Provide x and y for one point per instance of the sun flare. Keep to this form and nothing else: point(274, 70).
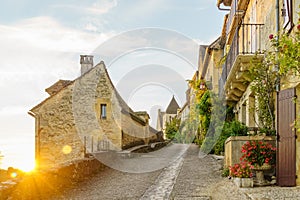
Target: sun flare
point(27, 167)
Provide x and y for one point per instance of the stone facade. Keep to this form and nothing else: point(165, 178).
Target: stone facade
point(208, 66)
point(248, 26)
point(86, 115)
point(164, 117)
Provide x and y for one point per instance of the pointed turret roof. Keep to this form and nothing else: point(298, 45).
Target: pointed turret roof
point(172, 107)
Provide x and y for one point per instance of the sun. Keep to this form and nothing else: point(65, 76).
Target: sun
point(25, 164)
point(27, 167)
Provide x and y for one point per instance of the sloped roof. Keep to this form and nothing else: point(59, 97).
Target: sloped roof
point(56, 87)
point(173, 107)
point(123, 104)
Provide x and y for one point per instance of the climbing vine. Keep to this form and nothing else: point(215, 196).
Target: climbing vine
point(201, 110)
point(281, 59)
point(264, 80)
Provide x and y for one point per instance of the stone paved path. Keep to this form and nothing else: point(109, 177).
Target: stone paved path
point(164, 184)
point(199, 177)
point(114, 184)
point(190, 177)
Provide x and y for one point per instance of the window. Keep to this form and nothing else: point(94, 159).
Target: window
point(287, 13)
point(103, 111)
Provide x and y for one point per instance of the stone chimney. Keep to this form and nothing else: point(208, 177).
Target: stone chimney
point(86, 62)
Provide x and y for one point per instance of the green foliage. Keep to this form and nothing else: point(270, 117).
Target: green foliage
point(288, 52)
point(234, 128)
point(200, 112)
point(264, 80)
point(204, 108)
point(195, 85)
point(269, 132)
point(225, 172)
point(172, 128)
point(282, 59)
point(217, 119)
point(212, 113)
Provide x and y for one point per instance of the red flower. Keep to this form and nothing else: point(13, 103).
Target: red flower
point(258, 152)
point(298, 27)
point(241, 170)
point(271, 36)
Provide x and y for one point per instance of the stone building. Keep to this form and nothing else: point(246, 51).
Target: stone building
point(166, 116)
point(208, 66)
point(86, 115)
point(246, 31)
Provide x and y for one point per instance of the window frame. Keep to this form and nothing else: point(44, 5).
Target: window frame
point(103, 111)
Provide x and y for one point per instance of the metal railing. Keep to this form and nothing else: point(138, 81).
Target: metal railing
point(247, 40)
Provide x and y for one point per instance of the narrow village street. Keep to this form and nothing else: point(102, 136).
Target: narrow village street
point(189, 177)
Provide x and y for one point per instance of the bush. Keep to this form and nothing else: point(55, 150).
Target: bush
point(225, 172)
point(172, 128)
point(234, 128)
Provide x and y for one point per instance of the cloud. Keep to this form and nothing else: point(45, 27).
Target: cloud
point(46, 33)
point(91, 27)
point(99, 7)
point(36, 53)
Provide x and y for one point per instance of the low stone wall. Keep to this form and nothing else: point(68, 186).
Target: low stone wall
point(233, 147)
point(129, 141)
point(151, 147)
point(44, 184)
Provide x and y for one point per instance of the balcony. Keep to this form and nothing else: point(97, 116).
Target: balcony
point(246, 46)
point(236, 14)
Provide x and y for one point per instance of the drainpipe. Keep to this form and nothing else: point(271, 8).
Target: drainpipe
point(277, 90)
point(277, 16)
point(223, 9)
point(277, 32)
point(37, 138)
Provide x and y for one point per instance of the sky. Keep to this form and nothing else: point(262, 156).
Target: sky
point(150, 48)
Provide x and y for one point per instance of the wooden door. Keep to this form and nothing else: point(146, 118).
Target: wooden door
point(286, 146)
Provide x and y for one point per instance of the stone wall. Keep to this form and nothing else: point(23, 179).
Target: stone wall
point(90, 91)
point(130, 141)
point(69, 123)
point(262, 12)
point(57, 138)
point(233, 147)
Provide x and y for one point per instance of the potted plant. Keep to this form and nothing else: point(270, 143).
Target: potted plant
point(261, 155)
point(242, 175)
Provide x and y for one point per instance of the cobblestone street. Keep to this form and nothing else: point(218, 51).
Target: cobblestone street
point(189, 177)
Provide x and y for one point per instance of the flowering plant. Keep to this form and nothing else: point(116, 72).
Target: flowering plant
point(258, 152)
point(241, 170)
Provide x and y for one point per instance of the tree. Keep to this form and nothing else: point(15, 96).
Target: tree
point(172, 128)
